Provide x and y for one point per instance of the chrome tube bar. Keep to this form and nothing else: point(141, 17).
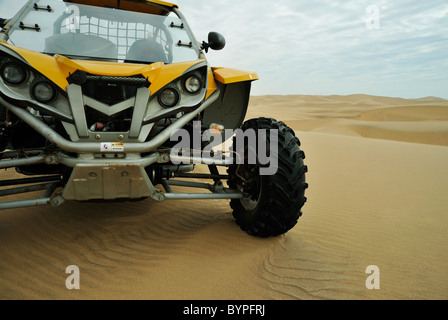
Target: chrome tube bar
point(217, 193)
point(21, 162)
point(95, 147)
point(202, 196)
point(44, 200)
point(24, 203)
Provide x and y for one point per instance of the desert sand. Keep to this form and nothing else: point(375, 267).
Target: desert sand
point(378, 176)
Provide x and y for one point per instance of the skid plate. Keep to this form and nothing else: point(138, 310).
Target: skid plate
point(92, 182)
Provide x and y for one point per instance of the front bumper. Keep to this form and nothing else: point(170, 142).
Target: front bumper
point(96, 147)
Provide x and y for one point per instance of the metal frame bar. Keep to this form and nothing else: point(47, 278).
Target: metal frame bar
point(16, 154)
point(90, 159)
point(218, 192)
point(45, 199)
point(24, 203)
point(13, 20)
point(76, 101)
point(32, 188)
point(202, 196)
point(200, 176)
point(189, 184)
point(4, 164)
point(95, 147)
point(198, 160)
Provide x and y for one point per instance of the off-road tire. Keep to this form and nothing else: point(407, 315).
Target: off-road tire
point(280, 196)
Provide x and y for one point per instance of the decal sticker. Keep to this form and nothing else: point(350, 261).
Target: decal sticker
point(112, 147)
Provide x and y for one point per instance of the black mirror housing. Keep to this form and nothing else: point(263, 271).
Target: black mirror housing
point(216, 41)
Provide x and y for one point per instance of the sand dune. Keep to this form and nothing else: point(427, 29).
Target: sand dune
point(418, 120)
point(378, 171)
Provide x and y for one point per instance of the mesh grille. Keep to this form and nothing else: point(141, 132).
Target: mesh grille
point(110, 91)
point(121, 34)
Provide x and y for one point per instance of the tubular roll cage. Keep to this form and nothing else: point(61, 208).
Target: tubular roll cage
point(86, 151)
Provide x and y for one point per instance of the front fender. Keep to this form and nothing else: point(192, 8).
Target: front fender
point(230, 108)
point(229, 75)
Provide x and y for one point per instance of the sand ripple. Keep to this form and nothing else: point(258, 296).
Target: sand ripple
point(377, 176)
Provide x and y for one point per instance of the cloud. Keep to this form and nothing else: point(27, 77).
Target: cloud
point(324, 46)
point(9, 8)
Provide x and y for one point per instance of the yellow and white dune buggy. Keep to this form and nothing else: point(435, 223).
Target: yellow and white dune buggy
point(114, 100)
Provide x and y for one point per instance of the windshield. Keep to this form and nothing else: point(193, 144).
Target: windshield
point(94, 33)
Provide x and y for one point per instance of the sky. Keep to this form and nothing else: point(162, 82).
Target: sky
point(390, 48)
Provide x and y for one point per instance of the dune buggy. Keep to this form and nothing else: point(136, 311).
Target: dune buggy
point(114, 100)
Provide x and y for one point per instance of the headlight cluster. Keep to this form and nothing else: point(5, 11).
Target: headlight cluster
point(192, 84)
point(13, 73)
point(43, 91)
point(168, 97)
point(16, 74)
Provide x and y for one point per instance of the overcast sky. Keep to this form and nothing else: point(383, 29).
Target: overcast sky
point(393, 48)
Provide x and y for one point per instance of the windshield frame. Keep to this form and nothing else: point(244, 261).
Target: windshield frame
point(186, 49)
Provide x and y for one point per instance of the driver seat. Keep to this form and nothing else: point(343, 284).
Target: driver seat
point(146, 50)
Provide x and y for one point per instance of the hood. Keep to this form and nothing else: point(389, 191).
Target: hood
point(58, 68)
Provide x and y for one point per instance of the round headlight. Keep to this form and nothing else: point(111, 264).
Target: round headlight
point(13, 73)
point(43, 91)
point(193, 84)
point(168, 97)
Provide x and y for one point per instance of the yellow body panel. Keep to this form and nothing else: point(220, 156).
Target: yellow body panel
point(170, 72)
point(112, 69)
point(45, 64)
point(57, 68)
point(229, 75)
point(211, 87)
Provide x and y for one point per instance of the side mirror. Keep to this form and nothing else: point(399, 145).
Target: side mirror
point(216, 41)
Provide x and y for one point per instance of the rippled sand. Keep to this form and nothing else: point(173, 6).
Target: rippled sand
point(378, 171)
